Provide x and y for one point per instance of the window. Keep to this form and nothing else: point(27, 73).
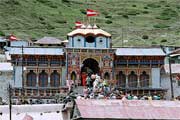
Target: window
point(122, 79)
point(43, 79)
point(90, 39)
point(132, 79)
point(144, 79)
point(31, 79)
point(55, 79)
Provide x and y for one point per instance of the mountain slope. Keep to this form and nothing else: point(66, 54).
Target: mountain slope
point(131, 22)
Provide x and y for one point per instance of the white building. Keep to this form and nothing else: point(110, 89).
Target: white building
point(6, 77)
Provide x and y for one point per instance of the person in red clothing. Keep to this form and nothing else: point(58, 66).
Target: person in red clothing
point(83, 78)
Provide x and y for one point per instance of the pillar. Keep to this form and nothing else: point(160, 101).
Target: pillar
point(37, 80)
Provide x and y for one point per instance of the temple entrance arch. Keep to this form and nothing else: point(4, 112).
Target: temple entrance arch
point(89, 66)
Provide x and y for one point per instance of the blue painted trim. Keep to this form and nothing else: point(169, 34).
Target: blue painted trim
point(95, 43)
point(84, 42)
point(72, 41)
point(106, 42)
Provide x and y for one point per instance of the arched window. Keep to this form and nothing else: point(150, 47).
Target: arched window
point(122, 79)
point(132, 79)
point(55, 79)
point(73, 76)
point(43, 79)
point(144, 79)
point(31, 79)
point(106, 76)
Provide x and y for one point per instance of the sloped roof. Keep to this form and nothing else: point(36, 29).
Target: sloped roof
point(139, 52)
point(6, 67)
point(37, 51)
point(175, 68)
point(128, 109)
point(85, 31)
point(48, 40)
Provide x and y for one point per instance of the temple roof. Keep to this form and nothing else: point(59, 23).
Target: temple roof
point(48, 40)
point(139, 52)
point(89, 30)
point(37, 51)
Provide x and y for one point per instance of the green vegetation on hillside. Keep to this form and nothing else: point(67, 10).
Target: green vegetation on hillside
point(131, 22)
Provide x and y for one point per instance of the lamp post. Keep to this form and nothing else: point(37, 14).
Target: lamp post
point(170, 75)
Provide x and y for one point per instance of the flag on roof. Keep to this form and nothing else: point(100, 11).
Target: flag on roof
point(27, 117)
point(12, 37)
point(78, 24)
point(90, 12)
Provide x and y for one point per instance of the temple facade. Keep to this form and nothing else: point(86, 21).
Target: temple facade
point(42, 70)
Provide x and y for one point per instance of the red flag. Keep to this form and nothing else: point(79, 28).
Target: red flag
point(12, 37)
point(78, 24)
point(91, 12)
point(27, 117)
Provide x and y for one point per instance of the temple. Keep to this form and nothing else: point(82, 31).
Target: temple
point(44, 68)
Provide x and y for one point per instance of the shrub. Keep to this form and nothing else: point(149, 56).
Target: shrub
point(153, 43)
point(169, 12)
point(161, 25)
point(132, 12)
point(108, 22)
point(83, 11)
point(164, 40)
point(65, 1)
point(61, 21)
point(108, 16)
point(41, 18)
point(133, 5)
point(145, 37)
point(145, 7)
point(153, 5)
point(163, 17)
point(125, 16)
point(145, 12)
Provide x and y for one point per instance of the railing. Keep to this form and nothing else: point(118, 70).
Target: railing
point(38, 92)
point(39, 63)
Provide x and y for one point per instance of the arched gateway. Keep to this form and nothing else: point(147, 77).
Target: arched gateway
point(89, 66)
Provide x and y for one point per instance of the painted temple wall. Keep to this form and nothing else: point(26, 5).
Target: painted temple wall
point(101, 42)
point(78, 41)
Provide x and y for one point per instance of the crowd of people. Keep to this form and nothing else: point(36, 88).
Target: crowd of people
point(97, 88)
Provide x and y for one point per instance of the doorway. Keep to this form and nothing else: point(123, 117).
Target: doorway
point(90, 66)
